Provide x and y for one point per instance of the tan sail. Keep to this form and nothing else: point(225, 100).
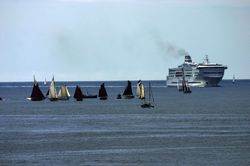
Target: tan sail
point(142, 91)
point(138, 90)
point(63, 93)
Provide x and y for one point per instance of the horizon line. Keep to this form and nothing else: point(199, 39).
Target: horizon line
point(107, 80)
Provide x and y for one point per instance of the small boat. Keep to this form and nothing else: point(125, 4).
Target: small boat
point(78, 94)
point(148, 103)
point(140, 90)
point(52, 96)
point(36, 94)
point(119, 96)
point(1, 98)
point(103, 93)
point(63, 93)
point(128, 94)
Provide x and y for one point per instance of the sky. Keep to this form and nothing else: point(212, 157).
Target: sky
point(92, 40)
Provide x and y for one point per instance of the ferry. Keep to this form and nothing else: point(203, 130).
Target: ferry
point(196, 74)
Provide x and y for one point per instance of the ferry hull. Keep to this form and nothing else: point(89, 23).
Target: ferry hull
point(191, 83)
point(207, 82)
point(212, 81)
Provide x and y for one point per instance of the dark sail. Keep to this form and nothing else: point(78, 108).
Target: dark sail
point(128, 91)
point(47, 94)
point(102, 92)
point(78, 93)
point(36, 93)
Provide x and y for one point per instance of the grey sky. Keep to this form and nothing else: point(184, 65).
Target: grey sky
point(119, 40)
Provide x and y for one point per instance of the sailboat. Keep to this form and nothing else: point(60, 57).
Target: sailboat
point(63, 93)
point(185, 86)
point(233, 80)
point(102, 92)
point(36, 94)
point(147, 103)
point(52, 91)
point(140, 90)
point(78, 94)
point(128, 94)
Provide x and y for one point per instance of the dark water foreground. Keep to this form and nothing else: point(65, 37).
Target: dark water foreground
point(211, 126)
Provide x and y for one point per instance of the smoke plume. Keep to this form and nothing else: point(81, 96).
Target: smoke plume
point(166, 48)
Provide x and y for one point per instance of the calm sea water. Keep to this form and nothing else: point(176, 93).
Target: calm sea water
point(210, 126)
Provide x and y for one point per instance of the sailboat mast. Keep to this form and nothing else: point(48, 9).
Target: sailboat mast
point(149, 91)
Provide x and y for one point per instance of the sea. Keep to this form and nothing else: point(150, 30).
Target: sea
point(209, 127)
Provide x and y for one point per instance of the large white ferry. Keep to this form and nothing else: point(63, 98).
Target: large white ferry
point(196, 74)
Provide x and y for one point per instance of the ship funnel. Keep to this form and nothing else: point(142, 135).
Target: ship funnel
point(188, 59)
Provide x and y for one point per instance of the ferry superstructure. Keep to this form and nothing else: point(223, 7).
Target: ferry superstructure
point(196, 74)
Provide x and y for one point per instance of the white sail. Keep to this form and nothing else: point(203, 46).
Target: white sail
point(67, 92)
point(59, 93)
point(52, 90)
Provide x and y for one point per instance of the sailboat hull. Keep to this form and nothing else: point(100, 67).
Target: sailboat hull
point(128, 96)
point(89, 96)
point(35, 99)
point(63, 98)
point(187, 91)
point(53, 99)
point(147, 105)
point(78, 99)
point(104, 98)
